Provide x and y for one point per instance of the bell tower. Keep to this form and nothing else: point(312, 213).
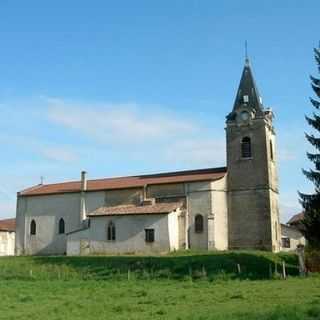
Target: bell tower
point(253, 211)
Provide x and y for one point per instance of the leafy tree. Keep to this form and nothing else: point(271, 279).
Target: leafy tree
point(311, 202)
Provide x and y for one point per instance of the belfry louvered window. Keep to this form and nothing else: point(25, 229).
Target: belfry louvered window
point(246, 148)
point(111, 231)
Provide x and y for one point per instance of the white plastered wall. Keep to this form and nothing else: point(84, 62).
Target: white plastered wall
point(130, 235)
point(7, 243)
point(220, 213)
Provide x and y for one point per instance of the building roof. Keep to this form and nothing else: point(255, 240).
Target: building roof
point(297, 218)
point(157, 208)
point(8, 225)
point(249, 88)
point(210, 174)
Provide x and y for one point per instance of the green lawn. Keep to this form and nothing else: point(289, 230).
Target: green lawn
point(179, 286)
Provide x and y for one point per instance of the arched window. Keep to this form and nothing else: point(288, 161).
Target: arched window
point(271, 150)
point(198, 223)
point(61, 226)
point(33, 227)
point(246, 148)
point(111, 231)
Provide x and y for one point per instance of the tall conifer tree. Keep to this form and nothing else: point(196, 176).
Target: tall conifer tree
point(311, 202)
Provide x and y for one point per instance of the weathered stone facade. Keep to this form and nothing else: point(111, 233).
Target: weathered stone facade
point(252, 175)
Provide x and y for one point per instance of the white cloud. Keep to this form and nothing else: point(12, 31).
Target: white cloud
point(194, 151)
point(58, 153)
point(119, 123)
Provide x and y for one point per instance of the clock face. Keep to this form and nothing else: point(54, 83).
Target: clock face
point(244, 115)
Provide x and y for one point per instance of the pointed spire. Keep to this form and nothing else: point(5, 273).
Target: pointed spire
point(248, 93)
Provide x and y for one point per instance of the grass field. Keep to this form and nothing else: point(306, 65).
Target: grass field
point(178, 286)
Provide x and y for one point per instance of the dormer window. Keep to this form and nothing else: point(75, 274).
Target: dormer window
point(245, 98)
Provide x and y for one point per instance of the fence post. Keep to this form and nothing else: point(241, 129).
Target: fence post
point(284, 274)
point(239, 268)
point(302, 266)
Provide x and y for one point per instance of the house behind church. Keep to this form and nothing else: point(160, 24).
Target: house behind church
point(291, 233)
point(7, 237)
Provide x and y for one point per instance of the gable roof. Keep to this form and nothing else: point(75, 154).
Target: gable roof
point(8, 225)
point(131, 209)
point(210, 174)
point(296, 218)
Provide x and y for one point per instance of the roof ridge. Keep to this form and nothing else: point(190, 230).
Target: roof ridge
point(128, 181)
point(190, 171)
point(32, 188)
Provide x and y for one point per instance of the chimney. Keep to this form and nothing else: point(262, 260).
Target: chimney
point(83, 213)
point(83, 181)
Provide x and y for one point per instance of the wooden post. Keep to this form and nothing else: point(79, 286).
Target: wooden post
point(239, 268)
point(128, 274)
point(284, 274)
point(204, 272)
point(302, 266)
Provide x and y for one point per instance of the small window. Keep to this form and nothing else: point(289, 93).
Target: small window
point(271, 150)
point(33, 227)
point(149, 235)
point(245, 98)
point(111, 231)
point(246, 148)
point(61, 226)
point(198, 223)
point(285, 242)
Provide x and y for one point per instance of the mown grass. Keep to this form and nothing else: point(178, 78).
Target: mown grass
point(159, 287)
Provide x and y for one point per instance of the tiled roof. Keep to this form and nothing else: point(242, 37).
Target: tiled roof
point(157, 208)
point(296, 218)
point(8, 225)
point(128, 182)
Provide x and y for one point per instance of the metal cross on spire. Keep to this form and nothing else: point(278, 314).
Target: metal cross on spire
point(246, 52)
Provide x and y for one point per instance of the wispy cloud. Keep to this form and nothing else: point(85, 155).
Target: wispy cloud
point(57, 153)
point(119, 123)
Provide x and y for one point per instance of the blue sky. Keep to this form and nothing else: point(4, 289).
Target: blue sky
point(130, 87)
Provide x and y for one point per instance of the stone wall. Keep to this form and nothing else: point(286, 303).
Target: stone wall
point(252, 187)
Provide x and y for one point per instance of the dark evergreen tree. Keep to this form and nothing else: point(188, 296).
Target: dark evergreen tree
point(311, 202)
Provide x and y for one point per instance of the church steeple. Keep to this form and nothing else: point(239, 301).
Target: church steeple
point(252, 178)
point(248, 94)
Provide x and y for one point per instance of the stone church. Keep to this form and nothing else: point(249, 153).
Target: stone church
point(232, 207)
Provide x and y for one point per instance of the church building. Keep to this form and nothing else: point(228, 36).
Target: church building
point(232, 207)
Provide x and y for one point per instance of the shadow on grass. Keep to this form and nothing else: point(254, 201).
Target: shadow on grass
point(253, 265)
